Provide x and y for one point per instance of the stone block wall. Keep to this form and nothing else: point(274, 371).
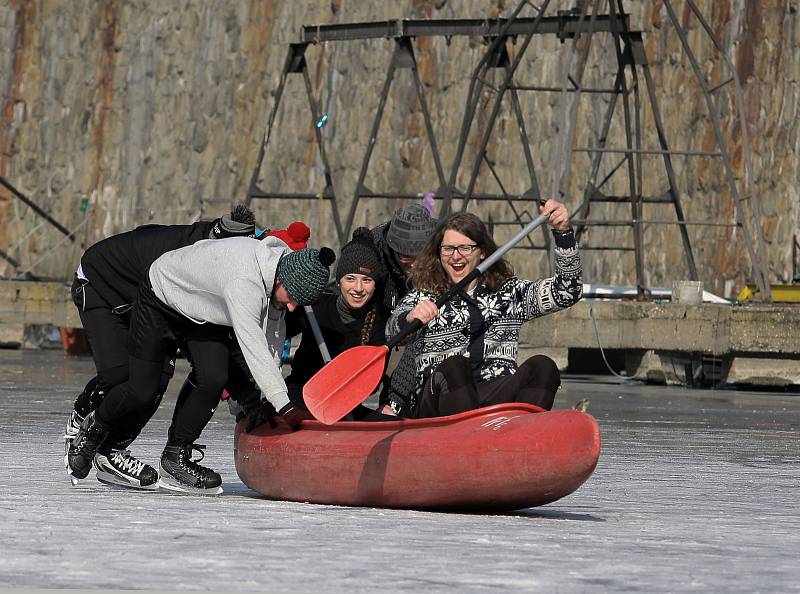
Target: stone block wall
point(114, 114)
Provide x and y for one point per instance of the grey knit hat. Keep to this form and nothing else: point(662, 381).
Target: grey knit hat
point(410, 228)
point(305, 273)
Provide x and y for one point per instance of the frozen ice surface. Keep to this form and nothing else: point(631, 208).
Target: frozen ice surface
point(695, 491)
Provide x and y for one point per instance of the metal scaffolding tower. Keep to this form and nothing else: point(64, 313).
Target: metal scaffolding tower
point(631, 89)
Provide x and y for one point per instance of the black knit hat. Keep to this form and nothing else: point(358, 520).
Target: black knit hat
point(360, 256)
point(410, 228)
point(305, 273)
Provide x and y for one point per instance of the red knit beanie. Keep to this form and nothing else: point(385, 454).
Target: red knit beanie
point(295, 235)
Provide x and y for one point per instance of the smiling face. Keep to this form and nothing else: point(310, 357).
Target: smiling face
point(458, 265)
point(357, 289)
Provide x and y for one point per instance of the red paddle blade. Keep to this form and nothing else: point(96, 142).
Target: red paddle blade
point(345, 382)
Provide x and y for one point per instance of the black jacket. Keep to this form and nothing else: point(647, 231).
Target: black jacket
point(117, 265)
point(338, 338)
point(396, 285)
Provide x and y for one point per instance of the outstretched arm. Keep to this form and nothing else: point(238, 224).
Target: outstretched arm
point(560, 291)
point(248, 315)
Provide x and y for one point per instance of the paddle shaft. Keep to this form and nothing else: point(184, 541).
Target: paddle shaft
point(482, 267)
point(312, 320)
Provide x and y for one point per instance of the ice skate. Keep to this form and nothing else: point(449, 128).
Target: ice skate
point(70, 431)
point(81, 451)
point(180, 473)
point(119, 467)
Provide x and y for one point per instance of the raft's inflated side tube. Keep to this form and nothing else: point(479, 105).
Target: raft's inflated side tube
point(503, 457)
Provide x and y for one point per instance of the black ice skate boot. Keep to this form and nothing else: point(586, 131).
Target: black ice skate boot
point(116, 466)
point(84, 446)
point(180, 473)
point(74, 423)
point(87, 401)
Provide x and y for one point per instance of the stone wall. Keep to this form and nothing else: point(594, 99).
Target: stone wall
point(120, 113)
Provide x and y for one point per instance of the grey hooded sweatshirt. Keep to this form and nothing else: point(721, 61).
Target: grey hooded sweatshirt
point(230, 283)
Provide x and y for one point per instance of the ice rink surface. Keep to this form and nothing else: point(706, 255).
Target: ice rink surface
point(695, 491)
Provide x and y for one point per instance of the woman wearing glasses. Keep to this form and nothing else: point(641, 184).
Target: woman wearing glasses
point(466, 353)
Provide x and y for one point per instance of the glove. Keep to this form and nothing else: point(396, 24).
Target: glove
point(293, 416)
point(254, 410)
point(263, 414)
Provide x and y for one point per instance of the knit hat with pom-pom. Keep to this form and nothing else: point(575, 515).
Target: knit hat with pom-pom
point(295, 235)
point(305, 273)
point(241, 222)
point(360, 256)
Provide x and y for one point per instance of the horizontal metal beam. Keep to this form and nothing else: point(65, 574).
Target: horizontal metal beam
point(569, 89)
point(584, 248)
point(663, 199)
point(685, 153)
point(564, 26)
point(261, 194)
point(620, 223)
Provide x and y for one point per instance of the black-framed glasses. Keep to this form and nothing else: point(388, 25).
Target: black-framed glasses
point(464, 250)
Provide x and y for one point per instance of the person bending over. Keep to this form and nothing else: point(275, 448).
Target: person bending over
point(245, 284)
point(104, 290)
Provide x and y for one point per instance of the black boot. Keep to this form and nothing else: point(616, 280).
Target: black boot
point(72, 428)
point(180, 473)
point(90, 437)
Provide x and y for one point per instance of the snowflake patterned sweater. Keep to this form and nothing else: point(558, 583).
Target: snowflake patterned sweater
point(485, 326)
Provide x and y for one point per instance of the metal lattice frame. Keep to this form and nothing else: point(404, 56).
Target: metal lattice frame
point(20, 269)
point(578, 24)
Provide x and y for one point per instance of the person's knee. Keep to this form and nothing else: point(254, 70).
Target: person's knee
point(143, 386)
point(542, 371)
point(452, 373)
point(212, 378)
point(455, 366)
point(112, 376)
point(142, 395)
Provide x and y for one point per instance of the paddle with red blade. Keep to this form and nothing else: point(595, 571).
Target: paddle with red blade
point(352, 376)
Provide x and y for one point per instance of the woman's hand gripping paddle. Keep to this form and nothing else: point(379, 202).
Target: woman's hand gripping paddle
point(352, 376)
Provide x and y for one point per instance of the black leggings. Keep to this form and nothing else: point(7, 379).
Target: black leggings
point(209, 354)
point(451, 388)
point(107, 333)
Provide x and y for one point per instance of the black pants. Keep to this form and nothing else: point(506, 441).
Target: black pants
point(451, 388)
point(107, 333)
point(153, 339)
point(208, 350)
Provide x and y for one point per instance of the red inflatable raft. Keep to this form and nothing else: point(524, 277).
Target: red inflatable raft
point(504, 457)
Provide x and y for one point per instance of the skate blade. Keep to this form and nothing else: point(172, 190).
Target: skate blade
point(72, 479)
point(185, 489)
point(113, 480)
